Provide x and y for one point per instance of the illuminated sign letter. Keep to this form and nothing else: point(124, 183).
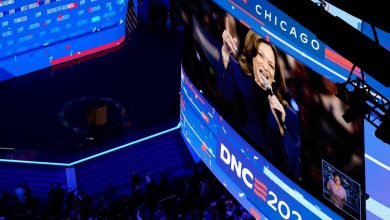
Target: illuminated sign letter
point(285, 25)
point(225, 151)
point(293, 31)
point(258, 9)
point(245, 173)
point(235, 166)
point(268, 15)
point(303, 37)
point(315, 44)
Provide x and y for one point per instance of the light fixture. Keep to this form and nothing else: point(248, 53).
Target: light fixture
point(365, 102)
point(358, 107)
point(383, 131)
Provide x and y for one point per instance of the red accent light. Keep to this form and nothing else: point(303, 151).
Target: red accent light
point(341, 61)
point(72, 5)
point(205, 117)
point(261, 190)
point(261, 196)
point(249, 14)
point(87, 52)
point(182, 101)
point(204, 148)
point(195, 93)
point(258, 182)
point(255, 214)
point(245, 24)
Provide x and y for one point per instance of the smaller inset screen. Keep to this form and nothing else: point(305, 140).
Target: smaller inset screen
point(341, 190)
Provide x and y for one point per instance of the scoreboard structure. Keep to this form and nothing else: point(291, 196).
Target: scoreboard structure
point(39, 34)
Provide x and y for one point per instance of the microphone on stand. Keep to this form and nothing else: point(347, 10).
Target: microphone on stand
point(268, 88)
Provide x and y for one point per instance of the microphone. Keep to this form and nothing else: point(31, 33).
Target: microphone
point(268, 88)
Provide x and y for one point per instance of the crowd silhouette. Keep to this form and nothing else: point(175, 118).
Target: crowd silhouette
point(196, 195)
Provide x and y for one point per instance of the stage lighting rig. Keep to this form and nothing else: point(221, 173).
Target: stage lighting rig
point(349, 42)
point(365, 102)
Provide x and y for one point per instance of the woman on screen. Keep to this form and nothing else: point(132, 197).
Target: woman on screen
point(259, 110)
point(337, 192)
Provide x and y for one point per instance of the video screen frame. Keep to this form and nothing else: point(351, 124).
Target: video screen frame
point(351, 189)
point(204, 91)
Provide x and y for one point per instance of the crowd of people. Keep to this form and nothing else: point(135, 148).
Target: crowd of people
point(197, 195)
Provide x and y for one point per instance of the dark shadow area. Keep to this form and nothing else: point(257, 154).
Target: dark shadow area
point(84, 108)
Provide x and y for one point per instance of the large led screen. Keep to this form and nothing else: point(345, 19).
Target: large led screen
point(268, 109)
point(377, 175)
point(38, 34)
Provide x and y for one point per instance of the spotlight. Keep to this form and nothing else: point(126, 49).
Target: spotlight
point(365, 102)
point(383, 131)
point(353, 114)
point(356, 111)
point(356, 100)
point(342, 91)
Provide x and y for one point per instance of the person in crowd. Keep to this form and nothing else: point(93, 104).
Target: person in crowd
point(20, 193)
point(135, 182)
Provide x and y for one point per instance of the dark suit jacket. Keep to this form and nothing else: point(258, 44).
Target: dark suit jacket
point(247, 108)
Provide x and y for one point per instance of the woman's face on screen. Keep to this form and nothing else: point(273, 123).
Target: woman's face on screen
point(337, 180)
point(264, 65)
